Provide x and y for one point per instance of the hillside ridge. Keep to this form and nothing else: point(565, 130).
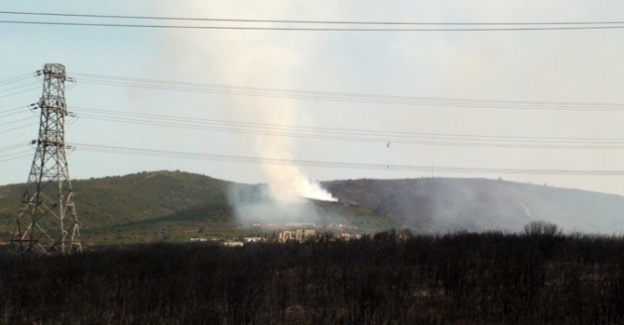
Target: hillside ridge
point(170, 205)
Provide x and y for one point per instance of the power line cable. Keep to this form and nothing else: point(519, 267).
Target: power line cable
point(346, 97)
point(13, 122)
point(331, 164)
point(20, 92)
point(15, 157)
point(354, 135)
point(12, 147)
point(320, 29)
point(17, 87)
point(24, 149)
point(338, 22)
point(15, 79)
point(19, 127)
point(323, 129)
point(11, 111)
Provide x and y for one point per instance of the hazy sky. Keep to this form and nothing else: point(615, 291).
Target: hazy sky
point(572, 66)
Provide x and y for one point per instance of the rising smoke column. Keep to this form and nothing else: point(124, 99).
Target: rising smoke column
point(285, 183)
point(274, 65)
point(267, 62)
point(253, 59)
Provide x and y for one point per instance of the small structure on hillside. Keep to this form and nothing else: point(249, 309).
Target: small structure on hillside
point(285, 236)
point(302, 234)
point(299, 234)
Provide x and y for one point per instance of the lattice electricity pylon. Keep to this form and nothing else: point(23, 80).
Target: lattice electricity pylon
point(47, 221)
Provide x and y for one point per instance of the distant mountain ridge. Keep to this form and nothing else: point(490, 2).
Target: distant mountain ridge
point(174, 205)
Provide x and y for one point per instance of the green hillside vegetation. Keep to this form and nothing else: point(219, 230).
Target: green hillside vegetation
point(174, 206)
point(109, 206)
point(10, 196)
point(167, 206)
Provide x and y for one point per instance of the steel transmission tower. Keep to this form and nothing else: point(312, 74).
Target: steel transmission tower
point(47, 221)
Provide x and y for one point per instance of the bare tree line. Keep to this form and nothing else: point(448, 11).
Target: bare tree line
point(393, 277)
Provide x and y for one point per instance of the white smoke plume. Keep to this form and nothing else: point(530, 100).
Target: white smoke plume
point(285, 183)
point(252, 59)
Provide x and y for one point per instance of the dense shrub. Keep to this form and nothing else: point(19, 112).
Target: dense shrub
point(390, 278)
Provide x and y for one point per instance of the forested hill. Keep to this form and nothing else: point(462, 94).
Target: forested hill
point(111, 203)
point(169, 206)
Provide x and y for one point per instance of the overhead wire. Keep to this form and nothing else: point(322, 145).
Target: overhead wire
point(333, 164)
point(12, 80)
point(305, 21)
point(11, 147)
point(13, 111)
point(18, 87)
point(148, 118)
point(518, 28)
point(8, 153)
point(20, 92)
point(351, 135)
point(19, 127)
point(366, 98)
point(17, 156)
point(15, 79)
point(314, 163)
point(15, 121)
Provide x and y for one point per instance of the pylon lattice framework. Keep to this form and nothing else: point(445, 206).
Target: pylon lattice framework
point(47, 221)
